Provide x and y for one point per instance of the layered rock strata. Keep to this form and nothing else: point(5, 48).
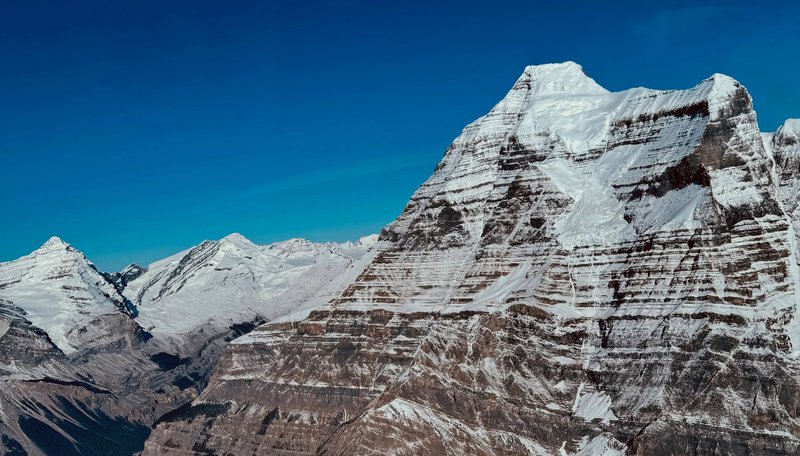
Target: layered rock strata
point(585, 273)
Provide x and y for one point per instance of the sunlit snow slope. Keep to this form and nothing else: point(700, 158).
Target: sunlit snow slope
point(233, 279)
point(63, 294)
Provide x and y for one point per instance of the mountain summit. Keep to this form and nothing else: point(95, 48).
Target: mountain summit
point(567, 78)
point(62, 293)
point(585, 273)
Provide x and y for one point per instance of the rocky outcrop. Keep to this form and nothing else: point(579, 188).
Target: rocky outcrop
point(585, 272)
point(122, 278)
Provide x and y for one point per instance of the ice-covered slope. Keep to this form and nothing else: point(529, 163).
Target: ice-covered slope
point(585, 273)
point(234, 280)
point(63, 294)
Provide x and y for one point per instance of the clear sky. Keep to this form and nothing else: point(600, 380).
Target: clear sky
point(137, 128)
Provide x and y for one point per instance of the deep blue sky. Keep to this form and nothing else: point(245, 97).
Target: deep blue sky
point(134, 129)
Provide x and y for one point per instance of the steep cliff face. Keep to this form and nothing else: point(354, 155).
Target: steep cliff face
point(585, 272)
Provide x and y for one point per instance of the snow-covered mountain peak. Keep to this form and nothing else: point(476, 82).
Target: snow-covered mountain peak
point(55, 247)
point(630, 247)
point(237, 239)
point(558, 78)
point(235, 244)
point(53, 255)
point(233, 280)
point(790, 130)
point(784, 147)
point(723, 83)
point(122, 278)
point(132, 268)
point(367, 241)
point(628, 164)
point(62, 293)
point(724, 93)
point(54, 243)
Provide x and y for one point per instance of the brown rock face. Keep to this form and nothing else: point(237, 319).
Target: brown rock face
point(585, 273)
point(97, 401)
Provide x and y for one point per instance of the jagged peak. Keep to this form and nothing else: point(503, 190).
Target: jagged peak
point(720, 90)
point(541, 88)
point(722, 78)
point(132, 267)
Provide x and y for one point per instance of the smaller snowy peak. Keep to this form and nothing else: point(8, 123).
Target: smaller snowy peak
point(785, 145)
point(367, 241)
point(128, 274)
point(237, 239)
point(789, 132)
point(53, 252)
point(299, 246)
point(234, 280)
point(723, 82)
point(54, 243)
point(63, 293)
point(235, 244)
point(363, 243)
point(132, 269)
point(556, 78)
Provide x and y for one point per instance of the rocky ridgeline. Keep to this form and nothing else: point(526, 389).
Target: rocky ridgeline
point(585, 273)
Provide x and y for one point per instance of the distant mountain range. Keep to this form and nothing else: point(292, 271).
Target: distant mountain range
point(83, 351)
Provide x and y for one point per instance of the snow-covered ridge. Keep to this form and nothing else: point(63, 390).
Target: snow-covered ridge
point(216, 283)
point(232, 280)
